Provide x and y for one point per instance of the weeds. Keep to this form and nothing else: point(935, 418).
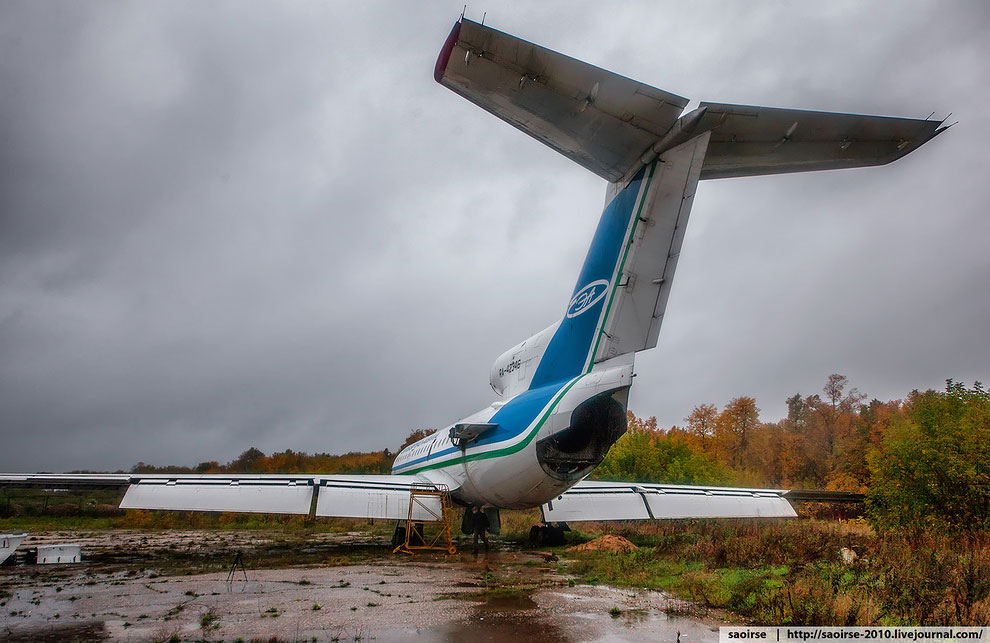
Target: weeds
point(791, 573)
point(209, 620)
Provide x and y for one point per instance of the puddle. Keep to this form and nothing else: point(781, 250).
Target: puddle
point(507, 603)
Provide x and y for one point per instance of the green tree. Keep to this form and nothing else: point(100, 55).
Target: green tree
point(247, 462)
point(933, 467)
point(644, 454)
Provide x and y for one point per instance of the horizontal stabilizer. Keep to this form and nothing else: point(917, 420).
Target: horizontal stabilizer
point(613, 125)
point(597, 118)
point(631, 501)
point(749, 141)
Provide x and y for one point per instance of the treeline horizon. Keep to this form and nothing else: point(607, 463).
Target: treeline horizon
point(922, 461)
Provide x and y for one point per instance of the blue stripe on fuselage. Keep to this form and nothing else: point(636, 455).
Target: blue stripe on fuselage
point(567, 351)
point(513, 418)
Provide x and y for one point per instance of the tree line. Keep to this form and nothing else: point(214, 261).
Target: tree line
point(924, 461)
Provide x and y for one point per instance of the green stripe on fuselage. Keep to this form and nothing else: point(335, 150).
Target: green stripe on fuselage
point(507, 450)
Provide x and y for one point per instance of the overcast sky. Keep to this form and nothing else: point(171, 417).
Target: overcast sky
point(226, 225)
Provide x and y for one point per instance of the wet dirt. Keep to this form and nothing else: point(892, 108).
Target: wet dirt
point(121, 592)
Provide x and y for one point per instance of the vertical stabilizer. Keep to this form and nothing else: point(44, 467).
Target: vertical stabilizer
point(618, 302)
point(569, 352)
point(632, 318)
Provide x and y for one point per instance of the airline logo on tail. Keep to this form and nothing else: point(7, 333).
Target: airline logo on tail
point(587, 297)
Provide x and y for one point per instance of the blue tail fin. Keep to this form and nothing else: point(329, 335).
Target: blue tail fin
point(570, 351)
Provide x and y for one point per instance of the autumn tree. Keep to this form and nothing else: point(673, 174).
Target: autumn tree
point(211, 466)
point(775, 455)
point(636, 424)
point(415, 436)
point(835, 410)
point(851, 470)
point(735, 426)
point(701, 424)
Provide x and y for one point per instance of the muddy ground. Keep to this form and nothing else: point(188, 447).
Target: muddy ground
point(141, 586)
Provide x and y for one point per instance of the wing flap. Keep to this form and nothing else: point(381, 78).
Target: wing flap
point(631, 501)
point(277, 495)
point(599, 119)
point(342, 496)
point(386, 497)
point(748, 140)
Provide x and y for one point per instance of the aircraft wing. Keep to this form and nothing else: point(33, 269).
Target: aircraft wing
point(749, 141)
point(591, 500)
point(599, 119)
point(343, 496)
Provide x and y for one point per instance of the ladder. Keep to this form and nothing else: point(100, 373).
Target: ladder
point(415, 540)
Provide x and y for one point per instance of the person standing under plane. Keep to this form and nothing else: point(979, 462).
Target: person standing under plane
point(479, 526)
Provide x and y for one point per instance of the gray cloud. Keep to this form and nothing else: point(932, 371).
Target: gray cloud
point(224, 226)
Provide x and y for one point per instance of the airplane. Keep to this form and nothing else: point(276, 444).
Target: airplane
point(563, 392)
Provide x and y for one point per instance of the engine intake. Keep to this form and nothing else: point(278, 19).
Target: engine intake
point(595, 425)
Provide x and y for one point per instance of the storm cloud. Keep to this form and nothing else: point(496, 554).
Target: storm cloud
point(226, 225)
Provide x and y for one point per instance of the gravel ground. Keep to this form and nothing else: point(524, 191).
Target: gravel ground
point(117, 594)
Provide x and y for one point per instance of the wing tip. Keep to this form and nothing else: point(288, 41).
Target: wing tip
point(448, 47)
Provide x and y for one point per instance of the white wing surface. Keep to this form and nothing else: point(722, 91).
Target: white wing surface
point(590, 500)
point(351, 496)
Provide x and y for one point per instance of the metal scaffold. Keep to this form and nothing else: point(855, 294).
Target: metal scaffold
point(428, 504)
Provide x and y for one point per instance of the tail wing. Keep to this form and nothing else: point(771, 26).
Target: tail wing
point(750, 141)
point(632, 135)
point(598, 119)
point(613, 125)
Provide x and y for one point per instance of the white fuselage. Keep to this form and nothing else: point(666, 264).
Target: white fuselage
point(503, 468)
point(565, 388)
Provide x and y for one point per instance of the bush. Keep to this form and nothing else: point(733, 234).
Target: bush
point(931, 470)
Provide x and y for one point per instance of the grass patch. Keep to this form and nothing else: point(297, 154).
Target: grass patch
point(209, 620)
point(780, 573)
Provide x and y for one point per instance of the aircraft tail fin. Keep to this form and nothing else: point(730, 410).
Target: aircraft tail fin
point(634, 136)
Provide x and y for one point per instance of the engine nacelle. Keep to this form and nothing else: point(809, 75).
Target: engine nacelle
point(514, 369)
